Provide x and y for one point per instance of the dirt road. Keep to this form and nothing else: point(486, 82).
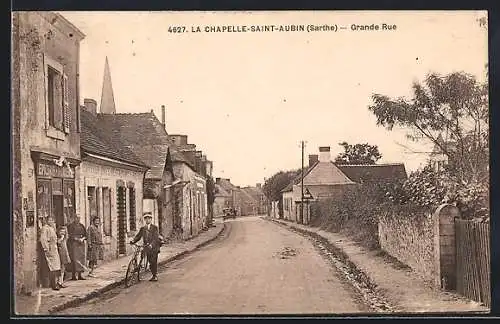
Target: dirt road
point(256, 267)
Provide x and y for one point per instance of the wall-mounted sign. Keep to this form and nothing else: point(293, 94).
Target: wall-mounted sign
point(52, 170)
point(30, 218)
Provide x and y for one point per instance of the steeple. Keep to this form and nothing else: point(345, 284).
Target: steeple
point(107, 97)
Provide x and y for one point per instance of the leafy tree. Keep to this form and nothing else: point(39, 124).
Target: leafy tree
point(452, 113)
point(452, 107)
point(273, 186)
point(358, 154)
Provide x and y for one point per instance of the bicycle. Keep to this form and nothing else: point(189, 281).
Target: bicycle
point(138, 262)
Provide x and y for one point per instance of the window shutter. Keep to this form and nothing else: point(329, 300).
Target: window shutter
point(66, 111)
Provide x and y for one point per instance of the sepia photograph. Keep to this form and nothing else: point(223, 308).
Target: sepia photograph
point(315, 163)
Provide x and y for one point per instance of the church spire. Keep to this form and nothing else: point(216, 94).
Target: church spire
point(107, 97)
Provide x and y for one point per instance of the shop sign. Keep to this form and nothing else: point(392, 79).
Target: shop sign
point(52, 170)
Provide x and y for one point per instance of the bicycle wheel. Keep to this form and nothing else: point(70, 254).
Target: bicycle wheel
point(130, 275)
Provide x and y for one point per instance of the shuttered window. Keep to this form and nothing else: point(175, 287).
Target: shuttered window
point(57, 96)
point(65, 105)
point(132, 214)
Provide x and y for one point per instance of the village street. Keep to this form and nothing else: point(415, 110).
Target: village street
point(255, 267)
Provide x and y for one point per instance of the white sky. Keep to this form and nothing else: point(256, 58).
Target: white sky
point(247, 99)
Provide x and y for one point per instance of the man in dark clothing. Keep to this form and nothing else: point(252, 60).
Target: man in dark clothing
point(151, 240)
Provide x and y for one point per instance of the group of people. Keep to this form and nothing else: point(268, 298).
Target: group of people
point(64, 249)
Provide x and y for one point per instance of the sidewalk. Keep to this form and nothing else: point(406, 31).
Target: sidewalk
point(403, 288)
point(107, 276)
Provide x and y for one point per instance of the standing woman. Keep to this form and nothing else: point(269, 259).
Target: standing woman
point(76, 239)
point(62, 246)
point(95, 244)
point(48, 240)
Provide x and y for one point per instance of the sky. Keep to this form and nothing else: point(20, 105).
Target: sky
point(248, 99)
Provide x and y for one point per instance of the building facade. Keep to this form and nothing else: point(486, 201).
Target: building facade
point(191, 199)
point(46, 133)
point(110, 184)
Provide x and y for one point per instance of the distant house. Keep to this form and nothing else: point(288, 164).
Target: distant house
point(222, 199)
point(233, 198)
point(324, 179)
point(253, 201)
point(110, 183)
point(438, 159)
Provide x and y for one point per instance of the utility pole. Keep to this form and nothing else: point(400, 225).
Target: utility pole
point(302, 186)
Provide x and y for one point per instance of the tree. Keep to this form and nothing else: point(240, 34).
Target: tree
point(358, 154)
point(273, 186)
point(453, 107)
point(211, 191)
point(450, 112)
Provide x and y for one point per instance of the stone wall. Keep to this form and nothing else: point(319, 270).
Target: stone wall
point(411, 241)
point(38, 37)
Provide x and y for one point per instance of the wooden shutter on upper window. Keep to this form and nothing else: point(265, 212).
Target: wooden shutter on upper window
point(66, 111)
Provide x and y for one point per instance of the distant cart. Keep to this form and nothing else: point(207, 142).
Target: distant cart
point(229, 213)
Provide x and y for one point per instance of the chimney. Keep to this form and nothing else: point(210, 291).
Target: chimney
point(90, 105)
point(313, 158)
point(163, 116)
point(217, 180)
point(324, 154)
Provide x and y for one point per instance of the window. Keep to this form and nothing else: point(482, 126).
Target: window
point(106, 211)
point(57, 96)
point(131, 197)
point(93, 202)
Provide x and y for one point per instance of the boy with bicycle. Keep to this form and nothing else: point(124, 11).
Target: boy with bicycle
point(151, 240)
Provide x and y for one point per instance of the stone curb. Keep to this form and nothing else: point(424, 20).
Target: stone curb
point(79, 300)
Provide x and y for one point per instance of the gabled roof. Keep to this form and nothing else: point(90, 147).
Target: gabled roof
point(247, 195)
point(325, 173)
point(144, 134)
point(221, 192)
point(374, 172)
point(97, 139)
point(298, 178)
point(227, 185)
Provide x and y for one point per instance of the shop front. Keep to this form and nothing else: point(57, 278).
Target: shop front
point(55, 196)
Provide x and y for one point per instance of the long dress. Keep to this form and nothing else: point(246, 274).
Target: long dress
point(62, 244)
point(48, 239)
point(76, 247)
point(95, 242)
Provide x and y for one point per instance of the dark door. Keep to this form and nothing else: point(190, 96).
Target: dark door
point(57, 202)
point(161, 210)
point(122, 219)
point(191, 212)
point(57, 210)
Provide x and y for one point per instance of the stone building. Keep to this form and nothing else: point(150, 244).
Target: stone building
point(173, 190)
point(324, 179)
point(194, 195)
point(111, 183)
point(222, 199)
point(46, 133)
